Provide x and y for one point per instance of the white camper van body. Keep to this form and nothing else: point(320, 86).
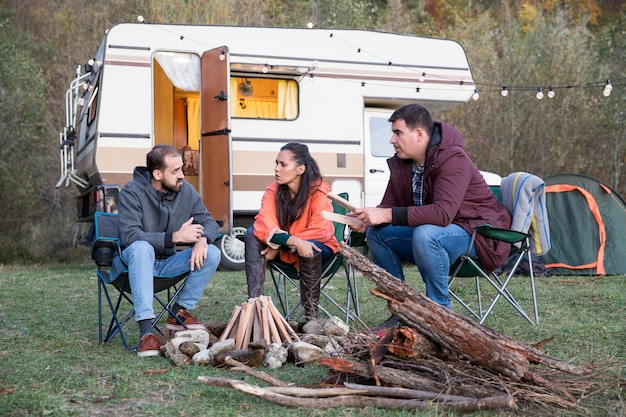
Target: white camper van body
point(204, 89)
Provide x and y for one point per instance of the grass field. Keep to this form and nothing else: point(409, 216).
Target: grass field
point(52, 364)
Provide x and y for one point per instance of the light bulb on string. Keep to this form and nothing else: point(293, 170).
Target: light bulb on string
point(417, 92)
point(607, 89)
point(222, 55)
point(362, 85)
point(476, 96)
point(551, 93)
point(505, 91)
point(422, 77)
point(311, 78)
point(140, 19)
point(539, 93)
point(265, 69)
point(182, 38)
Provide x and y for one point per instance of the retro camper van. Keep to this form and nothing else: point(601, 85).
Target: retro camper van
point(229, 97)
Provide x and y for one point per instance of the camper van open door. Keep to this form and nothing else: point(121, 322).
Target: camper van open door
point(215, 143)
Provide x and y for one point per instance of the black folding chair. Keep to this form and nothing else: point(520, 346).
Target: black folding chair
point(105, 251)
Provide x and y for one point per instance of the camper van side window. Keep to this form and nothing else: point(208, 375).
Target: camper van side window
point(380, 132)
point(264, 98)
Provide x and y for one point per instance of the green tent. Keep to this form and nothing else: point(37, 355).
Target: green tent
point(587, 227)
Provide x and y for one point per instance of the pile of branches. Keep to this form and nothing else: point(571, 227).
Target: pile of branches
point(437, 357)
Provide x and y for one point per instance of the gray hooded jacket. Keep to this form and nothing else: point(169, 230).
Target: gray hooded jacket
point(146, 213)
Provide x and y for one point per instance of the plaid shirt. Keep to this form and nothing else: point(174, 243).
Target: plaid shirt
point(418, 177)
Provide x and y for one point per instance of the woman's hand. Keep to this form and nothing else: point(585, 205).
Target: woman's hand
point(270, 253)
point(304, 248)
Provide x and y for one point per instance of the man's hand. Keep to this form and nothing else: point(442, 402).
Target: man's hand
point(188, 232)
point(372, 216)
point(198, 254)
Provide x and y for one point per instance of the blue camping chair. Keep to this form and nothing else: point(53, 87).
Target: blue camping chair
point(105, 252)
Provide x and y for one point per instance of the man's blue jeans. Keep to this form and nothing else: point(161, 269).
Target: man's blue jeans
point(431, 248)
point(143, 266)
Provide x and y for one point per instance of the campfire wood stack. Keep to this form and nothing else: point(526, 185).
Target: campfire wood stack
point(257, 320)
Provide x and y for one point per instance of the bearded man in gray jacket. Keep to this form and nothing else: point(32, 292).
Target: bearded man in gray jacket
point(158, 210)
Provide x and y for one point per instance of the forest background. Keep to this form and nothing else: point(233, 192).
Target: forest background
point(574, 46)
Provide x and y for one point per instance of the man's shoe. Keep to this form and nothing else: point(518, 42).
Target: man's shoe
point(148, 346)
point(185, 321)
point(390, 322)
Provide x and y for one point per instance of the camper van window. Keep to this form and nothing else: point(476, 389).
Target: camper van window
point(380, 133)
point(264, 98)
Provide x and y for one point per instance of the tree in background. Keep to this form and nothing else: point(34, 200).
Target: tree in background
point(517, 43)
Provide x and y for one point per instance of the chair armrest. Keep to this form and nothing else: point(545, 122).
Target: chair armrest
point(104, 250)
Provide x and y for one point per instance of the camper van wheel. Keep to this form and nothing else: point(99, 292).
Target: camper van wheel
point(232, 250)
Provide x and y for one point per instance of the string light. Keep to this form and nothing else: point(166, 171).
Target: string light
point(362, 85)
point(140, 19)
point(311, 78)
point(417, 92)
point(539, 93)
point(607, 89)
point(503, 89)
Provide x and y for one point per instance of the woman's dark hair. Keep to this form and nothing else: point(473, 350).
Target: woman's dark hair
point(155, 159)
point(288, 210)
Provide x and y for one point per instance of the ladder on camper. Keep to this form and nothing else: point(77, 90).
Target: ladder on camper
point(67, 138)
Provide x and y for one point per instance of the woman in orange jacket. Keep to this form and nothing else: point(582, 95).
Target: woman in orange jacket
point(290, 226)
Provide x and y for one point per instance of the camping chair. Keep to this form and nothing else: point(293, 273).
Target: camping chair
point(285, 278)
point(530, 220)
point(105, 252)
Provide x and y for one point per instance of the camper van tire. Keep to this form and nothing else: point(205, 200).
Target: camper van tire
point(232, 248)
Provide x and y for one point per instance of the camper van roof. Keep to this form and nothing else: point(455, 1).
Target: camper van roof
point(369, 56)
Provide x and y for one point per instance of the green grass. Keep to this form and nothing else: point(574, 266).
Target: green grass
point(52, 364)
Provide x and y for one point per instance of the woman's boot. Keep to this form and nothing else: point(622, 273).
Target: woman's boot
point(310, 278)
point(255, 265)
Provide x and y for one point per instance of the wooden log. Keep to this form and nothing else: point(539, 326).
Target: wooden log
point(358, 400)
point(265, 320)
point(450, 330)
point(249, 324)
point(388, 376)
point(231, 323)
point(411, 344)
point(243, 322)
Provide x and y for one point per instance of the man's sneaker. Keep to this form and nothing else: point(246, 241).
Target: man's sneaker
point(381, 328)
point(188, 321)
point(148, 346)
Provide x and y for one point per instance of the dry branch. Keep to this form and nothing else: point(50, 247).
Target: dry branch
point(358, 400)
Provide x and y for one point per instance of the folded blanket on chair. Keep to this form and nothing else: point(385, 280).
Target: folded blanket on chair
point(525, 197)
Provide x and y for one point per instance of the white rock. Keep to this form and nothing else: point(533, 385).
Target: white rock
point(275, 356)
point(306, 351)
point(334, 326)
point(223, 346)
point(204, 357)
